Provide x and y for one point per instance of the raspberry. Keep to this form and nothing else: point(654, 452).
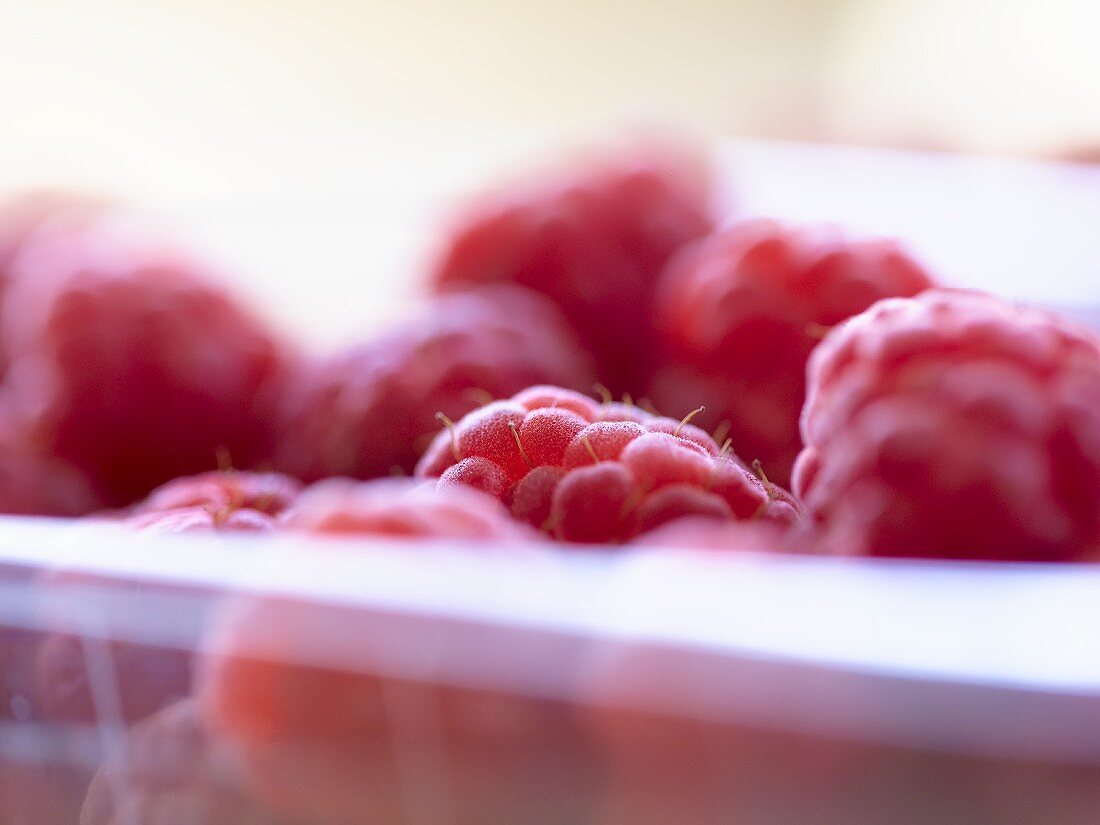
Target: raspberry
point(319, 740)
point(954, 425)
point(323, 709)
point(564, 464)
point(401, 508)
point(594, 239)
point(202, 520)
point(141, 369)
point(372, 409)
point(741, 310)
point(222, 500)
point(171, 771)
point(150, 676)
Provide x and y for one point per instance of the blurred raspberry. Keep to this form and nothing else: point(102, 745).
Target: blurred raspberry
point(582, 474)
point(594, 238)
point(372, 410)
point(740, 312)
point(149, 675)
point(955, 425)
point(308, 696)
point(221, 500)
point(171, 772)
point(202, 520)
point(403, 509)
point(268, 493)
point(139, 370)
point(324, 704)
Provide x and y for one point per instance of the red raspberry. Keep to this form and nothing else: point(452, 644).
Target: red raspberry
point(565, 465)
point(149, 676)
point(404, 509)
point(142, 370)
point(313, 719)
point(202, 520)
point(594, 239)
point(323, 709)
point(373, 409)
point(222, 500)
point(171, 771)
point(955, 425)
point(740, 312)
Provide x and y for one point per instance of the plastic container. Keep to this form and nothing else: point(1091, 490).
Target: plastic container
point(443, 685)
point(532, 686)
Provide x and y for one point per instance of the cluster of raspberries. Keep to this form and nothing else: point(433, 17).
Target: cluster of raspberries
point(909, 420)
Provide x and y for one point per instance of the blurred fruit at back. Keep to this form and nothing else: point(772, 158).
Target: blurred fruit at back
point(135, 365)
point(371, 410)
point(593, 237)
point(741, 310)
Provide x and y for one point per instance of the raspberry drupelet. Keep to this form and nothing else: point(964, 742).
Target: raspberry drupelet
point(139, 367)
point(740, 311)
point(954, 425)
point(593, 237)
point(370, 411)
point(577, 470)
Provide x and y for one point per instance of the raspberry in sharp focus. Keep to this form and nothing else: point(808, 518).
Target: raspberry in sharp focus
point(565, 465)
point(739, 313)
point(142, 369)
point(954, 425)
point(372, 409)
point(593, 238)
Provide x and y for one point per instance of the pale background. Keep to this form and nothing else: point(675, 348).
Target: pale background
point(308, 143)
point(198, 95)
